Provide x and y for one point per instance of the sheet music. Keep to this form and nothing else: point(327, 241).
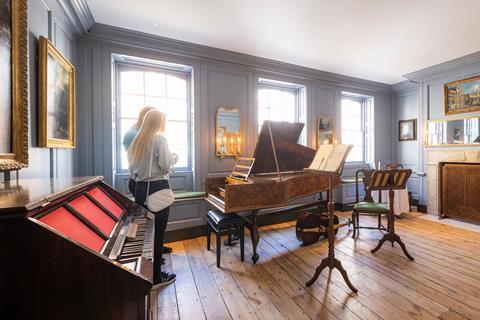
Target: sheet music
point(330, 157)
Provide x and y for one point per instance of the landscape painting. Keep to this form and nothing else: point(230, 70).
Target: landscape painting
point(462, 96)
point(5, 76)
point(57, 99)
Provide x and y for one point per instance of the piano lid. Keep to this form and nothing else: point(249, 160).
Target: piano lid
point(291, 156)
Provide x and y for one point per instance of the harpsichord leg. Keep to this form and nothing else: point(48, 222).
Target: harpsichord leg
point(255, 236)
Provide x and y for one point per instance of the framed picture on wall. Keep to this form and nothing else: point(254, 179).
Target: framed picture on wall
point(407, 130)
point(462, 96)
point(13, 85)
point(324, 130)
point(57, 98)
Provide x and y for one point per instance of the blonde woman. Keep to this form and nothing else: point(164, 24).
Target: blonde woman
point(127, 141)
point(150, 162)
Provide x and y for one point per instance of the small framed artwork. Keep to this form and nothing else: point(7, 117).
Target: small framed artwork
point(324, 130)
point(457, 135)
point(407, 130)
point(57, 98)
point(462, 96)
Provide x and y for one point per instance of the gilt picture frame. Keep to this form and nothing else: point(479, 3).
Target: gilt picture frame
point(462, 96)
point(14, 88)
point(325, 130)
point(57, 98)
point(228, 132)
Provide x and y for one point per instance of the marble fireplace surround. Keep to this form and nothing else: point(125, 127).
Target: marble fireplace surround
point(434, 159)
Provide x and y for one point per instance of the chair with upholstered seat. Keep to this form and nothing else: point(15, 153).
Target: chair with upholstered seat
point(367, 207)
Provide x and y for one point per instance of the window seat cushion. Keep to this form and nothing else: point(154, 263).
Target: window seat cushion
point(181, 195)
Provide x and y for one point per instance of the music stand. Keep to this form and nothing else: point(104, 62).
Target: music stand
point(394, 179)
point(329, 161)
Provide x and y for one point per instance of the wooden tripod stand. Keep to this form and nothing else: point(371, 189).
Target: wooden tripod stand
point(330, 261)
point(394, 180)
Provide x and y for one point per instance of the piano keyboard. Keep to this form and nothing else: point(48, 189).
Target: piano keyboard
point(142, 244)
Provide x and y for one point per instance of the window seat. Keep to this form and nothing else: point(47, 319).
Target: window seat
point(349, 180)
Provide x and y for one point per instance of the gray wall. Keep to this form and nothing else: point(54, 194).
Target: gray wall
point(221, 78)
point(424, 100)
point(406, 106)
point(45, 18)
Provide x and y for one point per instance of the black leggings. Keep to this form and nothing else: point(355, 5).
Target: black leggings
point(161, 220)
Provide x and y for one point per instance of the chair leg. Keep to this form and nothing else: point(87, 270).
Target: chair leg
point(242, 244)
point(354, 225)
point(219, 243)
point(379, 221)
point(208, 236)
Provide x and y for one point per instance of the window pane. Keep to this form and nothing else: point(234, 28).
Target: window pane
point(125, 125)
point(176, 87)
point(182, 152)
point(263, 98)
point(177, 109)
point(155, 84)
point(177, 132)
point(131, 82)
point(156, 102)
point(131, 105)
point(274, 98)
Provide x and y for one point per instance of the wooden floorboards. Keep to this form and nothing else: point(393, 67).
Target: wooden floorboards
point(442, 283)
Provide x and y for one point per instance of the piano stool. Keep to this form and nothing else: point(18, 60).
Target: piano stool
point(221, 223)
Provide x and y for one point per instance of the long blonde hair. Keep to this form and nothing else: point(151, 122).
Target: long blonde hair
point(141, 115)
point(153, 124)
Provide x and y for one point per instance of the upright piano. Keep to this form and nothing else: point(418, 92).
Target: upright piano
point(73, 249)
point(276, 178)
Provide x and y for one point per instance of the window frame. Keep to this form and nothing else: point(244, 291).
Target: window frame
point(298, 90)
point(130, 65)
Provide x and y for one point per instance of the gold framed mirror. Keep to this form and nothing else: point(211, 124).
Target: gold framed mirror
point(325, 130)
point(228, 132)
point(453, 132)
point(14, 79)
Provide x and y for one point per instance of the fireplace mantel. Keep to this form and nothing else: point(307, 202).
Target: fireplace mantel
point(434, 158)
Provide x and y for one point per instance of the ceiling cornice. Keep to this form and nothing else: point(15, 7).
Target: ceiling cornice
point(77, 13)
point(118, 35)
point(433, 71)
point(404, 87)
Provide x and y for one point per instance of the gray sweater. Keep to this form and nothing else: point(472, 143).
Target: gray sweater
point(162, 163)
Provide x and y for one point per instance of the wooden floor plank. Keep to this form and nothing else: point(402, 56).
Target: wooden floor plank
point(212, 301)
point(442, 283)
point(251, 287)
point(166, 297)
point(237, 304)
point(188, 299)
point(279, 297)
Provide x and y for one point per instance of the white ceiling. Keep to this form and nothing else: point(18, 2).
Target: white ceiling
point(372, 39)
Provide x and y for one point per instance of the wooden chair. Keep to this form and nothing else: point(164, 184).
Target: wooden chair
point(367, 207)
